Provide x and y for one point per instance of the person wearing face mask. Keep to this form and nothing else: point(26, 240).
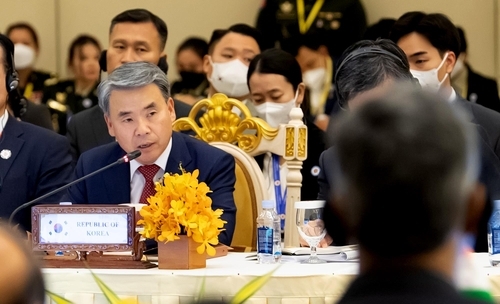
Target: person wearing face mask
point(68, 97)
point(226, 65)
point(316, 64)
point(432, 46)
point(26, 49)
point(189, 60)
point(275, 83)
point(471, 85)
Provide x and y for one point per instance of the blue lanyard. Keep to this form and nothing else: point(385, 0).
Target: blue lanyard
point(280, 199)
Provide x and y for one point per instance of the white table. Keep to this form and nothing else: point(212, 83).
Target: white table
point(291, 283)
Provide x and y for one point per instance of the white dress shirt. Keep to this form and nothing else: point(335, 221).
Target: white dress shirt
point(137, 180)
point(3, 120)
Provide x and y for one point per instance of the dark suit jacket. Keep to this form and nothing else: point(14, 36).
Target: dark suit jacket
point(39, 163)
point(482, 90)
point(488, 119)
point(37, 114)
point(113, 186)
point(88, 129)
point(403, 286)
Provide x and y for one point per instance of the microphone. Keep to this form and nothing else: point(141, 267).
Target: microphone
point(125, 159)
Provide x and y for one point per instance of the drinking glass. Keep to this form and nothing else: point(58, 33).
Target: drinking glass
point(309, 222)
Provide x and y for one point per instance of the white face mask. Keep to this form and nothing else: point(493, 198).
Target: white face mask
point(24, 56)
point(314, 79)
point(459, 67)
point(275, 113)
point(429, 80)
point(230, 78)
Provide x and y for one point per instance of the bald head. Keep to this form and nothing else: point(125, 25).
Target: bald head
point(20, 279)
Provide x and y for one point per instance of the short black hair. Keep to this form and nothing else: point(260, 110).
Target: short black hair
point(8, 53)
point(407, 162)
point(140, 15)
point(311, 41)
point(436, 28)
point(80, 41)
point(240, 28)
point(276, 61)
point(197, 45)
point(379, 30)
point(23, 26)
point(366, 64)
point(463, 40)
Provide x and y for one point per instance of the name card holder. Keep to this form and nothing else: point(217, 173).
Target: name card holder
point(80, 236)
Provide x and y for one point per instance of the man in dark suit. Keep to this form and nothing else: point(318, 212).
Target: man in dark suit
point(402, 157)
point(432, 45)
point(135, 35)
point(33, 160)
point(139, 113)
point(471, 85)
point(355, 79)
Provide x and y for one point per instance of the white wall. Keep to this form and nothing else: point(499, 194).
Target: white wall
point(41, 15)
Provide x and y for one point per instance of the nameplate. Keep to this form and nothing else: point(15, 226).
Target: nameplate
point(83, 227)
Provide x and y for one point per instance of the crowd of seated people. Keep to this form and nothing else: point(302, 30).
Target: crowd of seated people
point(375, 107)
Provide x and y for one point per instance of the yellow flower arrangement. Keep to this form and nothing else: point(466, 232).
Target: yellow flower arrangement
point(181, 205)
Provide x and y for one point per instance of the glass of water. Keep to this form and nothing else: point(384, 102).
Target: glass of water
point(309, 222)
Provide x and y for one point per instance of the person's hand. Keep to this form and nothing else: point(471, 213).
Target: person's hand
point(313, 228)
point(321, 121)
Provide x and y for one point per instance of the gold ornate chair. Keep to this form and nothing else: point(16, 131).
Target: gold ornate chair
point(244, 137)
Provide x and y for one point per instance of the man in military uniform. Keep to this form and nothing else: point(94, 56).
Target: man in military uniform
point(339, 22)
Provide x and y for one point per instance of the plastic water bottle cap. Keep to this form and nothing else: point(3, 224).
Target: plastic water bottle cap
point(268, 204)
point(496, 204)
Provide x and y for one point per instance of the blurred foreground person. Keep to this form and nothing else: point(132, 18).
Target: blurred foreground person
point(21, 280)
point(408, 168)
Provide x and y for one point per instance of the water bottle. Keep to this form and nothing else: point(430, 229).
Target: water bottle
point(494, 234)
point(268, 234)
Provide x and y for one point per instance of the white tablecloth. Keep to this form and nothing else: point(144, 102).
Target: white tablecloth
point(291, 283)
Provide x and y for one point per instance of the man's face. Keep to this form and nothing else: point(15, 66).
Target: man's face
point(423, 56)
point(3, 88)
point(130, 42)
point(189, 61)
point(232, 46)
point(310, 59)
point(140, 119)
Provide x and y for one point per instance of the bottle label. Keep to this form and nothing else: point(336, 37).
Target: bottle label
point(495, 242)
point(265, 240)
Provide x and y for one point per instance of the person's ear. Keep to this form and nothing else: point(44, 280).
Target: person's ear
point(301, 92)
point(111, 130)
point(207, 66)
point(450, 62)
point(171, 109)
point(475, 208)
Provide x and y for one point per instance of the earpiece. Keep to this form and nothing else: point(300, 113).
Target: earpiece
point(12, 80)
point(162, 62)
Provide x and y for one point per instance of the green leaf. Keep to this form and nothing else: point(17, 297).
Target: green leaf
point(57, 298)
point(201, 294)
point(251, 288)
point(108, 293)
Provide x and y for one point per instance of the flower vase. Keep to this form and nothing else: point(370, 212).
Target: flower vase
point(180, 254)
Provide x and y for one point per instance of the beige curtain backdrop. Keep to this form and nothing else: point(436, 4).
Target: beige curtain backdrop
point(59, 21)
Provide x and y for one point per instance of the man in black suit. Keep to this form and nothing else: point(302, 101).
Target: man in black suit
point(135, 35)
point(402, 156)
point(33, 160)
point(471, 85)
point(369, 66)
point(432, 45)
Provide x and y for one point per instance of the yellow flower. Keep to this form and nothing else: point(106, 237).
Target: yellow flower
point(181, 205)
